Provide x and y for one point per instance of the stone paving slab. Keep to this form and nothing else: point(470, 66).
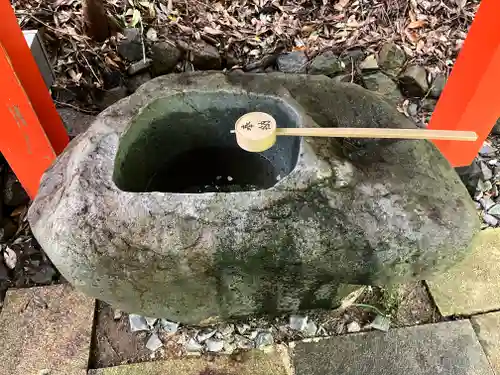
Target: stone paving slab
point(449, 348)
point(487, 328)
point(472, 286)
point(249, 363)
point(45, 330)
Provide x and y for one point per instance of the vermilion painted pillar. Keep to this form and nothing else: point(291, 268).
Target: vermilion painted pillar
point(471, 98)
point(31, 132)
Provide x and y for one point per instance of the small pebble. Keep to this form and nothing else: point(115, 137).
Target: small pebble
point(229, 178)
point(310, 329)
point(478, 195)
point(412, 109)
point(487, 150)
point(154, 343)
point(487, 203)
point(493, 162)
point(243, 343)
point(205, 335)
point(495, 210)
point(227, 330)
point(45, 371)
point(168, 326)
point(252, 335)
point(229, 347)
point(490, 219)
point(381, 323)
point(151, 322)
point(242, 328)
point(353, 327)
point(298, 322)
point(214, 345)
point(137, 323)
point(486, 171)
point(193, 346)
point(484, 185)
point(263, 339)
point(117, 314)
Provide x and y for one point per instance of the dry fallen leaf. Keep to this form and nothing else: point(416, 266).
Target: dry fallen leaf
point(416, 24)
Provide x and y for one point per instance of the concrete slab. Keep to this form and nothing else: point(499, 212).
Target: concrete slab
point(249, 363)
point(487, 330)
point(472, 286)
point(449, 348)
point(45, 330)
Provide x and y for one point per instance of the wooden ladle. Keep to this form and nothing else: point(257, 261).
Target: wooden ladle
point(257, 132)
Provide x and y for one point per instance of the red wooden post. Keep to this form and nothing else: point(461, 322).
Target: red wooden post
point(32, 132)
point(470, 100)
point(23, 141)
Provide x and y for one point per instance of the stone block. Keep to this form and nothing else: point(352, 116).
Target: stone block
point(45, 330)
point(448, 348)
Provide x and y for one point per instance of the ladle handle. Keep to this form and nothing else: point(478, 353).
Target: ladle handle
point(452, 135)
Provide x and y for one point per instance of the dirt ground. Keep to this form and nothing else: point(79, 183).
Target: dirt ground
point(407, 304)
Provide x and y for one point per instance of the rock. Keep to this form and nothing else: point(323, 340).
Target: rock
point(298, 323)
point(139, 67)
point(154, 343)
point(119, 230)
point(130, 48)
point(7, 229)
point(214, 345)
point(484, 186)
point(413, 81)
point(137, 323)
point(311, 329)
point(437, 86)
point(490, 219)
point(204, 56)
point(487, 150)
point(381, 323)
point(74, 121)
point(351, 59)
point(193, 346)
point(369, 63)
point(168, 326)
point(293, 62)
point(44, 275)
point(264, 339)
point(203, 336)
point(117, 314)
point(343, 78)
point(4, 272)
point(9, 258)
point(413, 109)
point(13, 194)
point(495, 210)
point(385, 86)
point(326, 63)
point(151, 322)
point(165, 57)
point(242, 328)
point(353, 327)
point(486, 203)
point(428, 104)
point(243, 343)
point(226, 330)
point(133, 83)
point(486, 171)
point(152, 35)
point(391, 58)
point(496, 128)
point(110, 97)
